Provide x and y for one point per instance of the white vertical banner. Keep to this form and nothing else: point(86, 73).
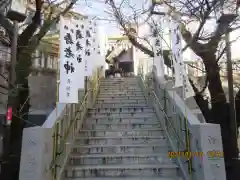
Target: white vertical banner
point(181, 77)
point(88, 48)
point(68, 90)
point(188, 89)
point(103, 43)
point(95, 45)
point(99, 57)
point(80, 51)
point(177, 53)
point(157, 48)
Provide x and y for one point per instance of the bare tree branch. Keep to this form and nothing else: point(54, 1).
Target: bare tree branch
point(132, 38)
point(31, 28)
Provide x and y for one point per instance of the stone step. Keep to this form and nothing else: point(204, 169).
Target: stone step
point(120, 81)
point(136, 82)
point(123, 80)
point(126, 85)
point(129, 158)
point(122, 85)
point(124, 90)
point(122, 115)
point(112, 96)
point(121, 110)
point(121, 148)
point(120, 155)
point(120, 105)
point(121, 138)
point(119, 78)
point(133, 83)
point(164, 170)
point(97, 120)
point(126, 104)
point(125, 178)
point(134, 78)
point(121, 94)
point(121, 101)
point(116, 90)
point(109, 140)
point(109, 126)
point(123, 132)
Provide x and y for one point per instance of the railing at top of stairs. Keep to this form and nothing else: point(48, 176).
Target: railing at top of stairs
point(45, 149)
point(185, 133)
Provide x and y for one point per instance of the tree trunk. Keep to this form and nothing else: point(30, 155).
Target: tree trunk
point(215, 84)
point(202, 103)
point(237, 107)
point(221, 113)
point(21, 109)
point(27, 44)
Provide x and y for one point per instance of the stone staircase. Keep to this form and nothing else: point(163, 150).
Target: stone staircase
point(121, 138)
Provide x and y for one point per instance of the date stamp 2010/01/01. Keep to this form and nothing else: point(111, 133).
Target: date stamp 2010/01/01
point(186, 154)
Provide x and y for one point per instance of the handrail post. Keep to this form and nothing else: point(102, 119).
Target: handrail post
point(86, 89)
point(54, 153)
point(165, 107)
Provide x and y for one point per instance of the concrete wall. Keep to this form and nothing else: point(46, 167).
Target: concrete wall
point(42, 84)
point(43, 91)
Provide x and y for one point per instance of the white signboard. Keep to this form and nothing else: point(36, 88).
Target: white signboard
point(68, 89)
point(19, 6)
point(80, 52)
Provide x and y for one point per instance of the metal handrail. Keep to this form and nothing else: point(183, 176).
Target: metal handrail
point(185, 174)
point(165, 115)
point(67, 126)
point(162, 110)
point(70, 126)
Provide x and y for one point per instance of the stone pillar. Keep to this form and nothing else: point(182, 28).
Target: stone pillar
point(81, 94)
point(207, 138)
point(36, 154)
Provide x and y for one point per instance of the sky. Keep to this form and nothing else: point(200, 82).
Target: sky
point(101, 10)
point(98, 8)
